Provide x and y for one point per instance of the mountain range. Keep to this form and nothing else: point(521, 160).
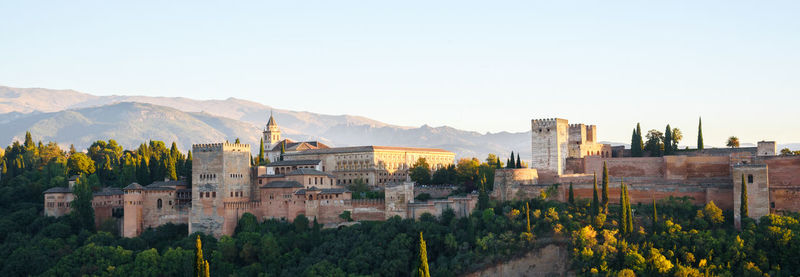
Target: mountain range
point(72, 117)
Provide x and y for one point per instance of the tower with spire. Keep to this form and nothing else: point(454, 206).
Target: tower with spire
point(272, 134)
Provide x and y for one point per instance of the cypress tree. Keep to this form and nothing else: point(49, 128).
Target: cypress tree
point(623, 215)
point(605, 188)
point(187, 168)
point(527, 217)
point(700, 134)
point(498, 164)
point(519, 163)
point(483, 197)
point(743, 209)
point(630, 212)
point(595, 208)
point(424, 270)
point(511, 163)
point(571, 195)
point(655, 214)
point(639, 142)
point(283, 149)
point(634, 152)
point(260, 158)
point(172, 174)
point(201, 265)
point(668, 141)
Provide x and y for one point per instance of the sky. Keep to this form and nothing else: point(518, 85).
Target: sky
point(486, 66)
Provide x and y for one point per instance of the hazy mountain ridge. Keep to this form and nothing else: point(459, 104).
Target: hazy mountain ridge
point(68, 116)
point(88, 119)
point(129, 124)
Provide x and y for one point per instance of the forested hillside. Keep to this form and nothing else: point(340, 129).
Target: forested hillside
point(668, 238)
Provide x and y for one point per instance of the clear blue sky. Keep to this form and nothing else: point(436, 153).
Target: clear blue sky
point(475, 65)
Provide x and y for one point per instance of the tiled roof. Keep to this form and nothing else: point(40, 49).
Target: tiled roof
point(108, 191)
point(170, 183)
point(57, 190)
point(294, 162)
point(370, 148)
point(133, 186)
point(332, 191)
point(282, 184)
point(308, 171)
point(291, 145)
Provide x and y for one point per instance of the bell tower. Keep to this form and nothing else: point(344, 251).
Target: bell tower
point(272, 134)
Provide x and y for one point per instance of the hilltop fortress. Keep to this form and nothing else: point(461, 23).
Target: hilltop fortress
point(302, 178)
point(566, 154)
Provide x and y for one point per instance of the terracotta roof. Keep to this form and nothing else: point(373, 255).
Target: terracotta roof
point(57, 190)
point(292, 146)
point(108, 191)
point(170, 183)
point(294, 162)
point(370, 148)
point(133, 186)
point(332, 191)
point(282, 184)
point(308, 171)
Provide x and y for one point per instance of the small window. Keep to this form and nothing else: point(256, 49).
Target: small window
point(772, 205)
point(158, 204)
point(214, 194)
point(750, 178)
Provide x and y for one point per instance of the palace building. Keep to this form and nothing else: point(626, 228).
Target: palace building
point(302, 178)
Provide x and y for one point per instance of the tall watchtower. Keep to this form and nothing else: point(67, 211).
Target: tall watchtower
point(220, 174)
point(272, 134)
point(549, 141)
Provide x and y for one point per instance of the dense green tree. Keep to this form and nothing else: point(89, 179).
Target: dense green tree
point(79, 164)
point(654, 145)
point(700, 134)
point(519, 162)
point(420, 172)
point(82, 210)
point(511, 161)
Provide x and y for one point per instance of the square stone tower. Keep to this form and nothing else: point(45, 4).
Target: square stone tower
point(757, 178)
point(220, 173)
point(766, 148)
point(549, 141)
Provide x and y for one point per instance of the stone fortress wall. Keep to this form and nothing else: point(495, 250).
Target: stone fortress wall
point(704, 176)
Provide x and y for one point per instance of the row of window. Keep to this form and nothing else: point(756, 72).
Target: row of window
point(60, 204)
point(212, 194)
point(208, 176)
point(236, 175)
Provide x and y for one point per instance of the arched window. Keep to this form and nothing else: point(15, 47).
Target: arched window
point(158, 204)
point(750, 178)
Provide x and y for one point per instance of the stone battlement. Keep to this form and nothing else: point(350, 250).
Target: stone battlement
point(547, 122)
point(242, 204)
point(225, 146)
